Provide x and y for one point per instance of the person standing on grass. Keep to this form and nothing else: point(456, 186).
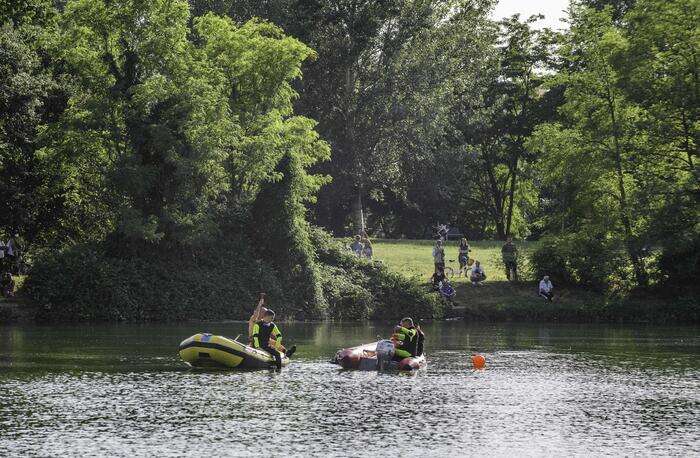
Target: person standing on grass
point(509, 252)
point(463, 256)
point(10, 248)
point(367, 248)
point(439, 255)
point(546, 288)
point(14, 252)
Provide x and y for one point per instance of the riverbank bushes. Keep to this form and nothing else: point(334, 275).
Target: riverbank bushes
point(217, 281)
point(369, 289)
point(185, 172)
point(501, 301)
point(600, 262)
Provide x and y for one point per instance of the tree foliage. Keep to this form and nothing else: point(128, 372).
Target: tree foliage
point(627, 128)
point(140, 127)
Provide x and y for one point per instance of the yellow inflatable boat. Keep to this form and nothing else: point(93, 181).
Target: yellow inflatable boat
point(207, 350)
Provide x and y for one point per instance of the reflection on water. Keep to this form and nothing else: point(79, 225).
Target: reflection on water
point(121, 390)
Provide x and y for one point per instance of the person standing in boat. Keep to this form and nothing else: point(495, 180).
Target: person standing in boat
point(406, 340)
point(265, 330)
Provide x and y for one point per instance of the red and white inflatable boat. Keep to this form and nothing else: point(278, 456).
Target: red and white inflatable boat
point(377, 356)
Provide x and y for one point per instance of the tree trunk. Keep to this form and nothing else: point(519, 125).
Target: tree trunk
point(358, 213)
point(497, 213)
point(356, 205)
point(511, 195)
point(625, 219)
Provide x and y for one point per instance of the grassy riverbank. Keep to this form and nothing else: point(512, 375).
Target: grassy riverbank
point(500, 300)
point(497, 300)
point(414, 257)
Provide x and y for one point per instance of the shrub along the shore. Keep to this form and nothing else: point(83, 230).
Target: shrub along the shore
point(507, 302)
point(219, 281)
point(358, 289)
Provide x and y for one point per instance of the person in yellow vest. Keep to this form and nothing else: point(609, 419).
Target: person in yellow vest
point(267, 336)
point(405, 339)
point(263, 331)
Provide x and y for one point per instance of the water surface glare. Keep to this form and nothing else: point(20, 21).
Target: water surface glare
point(121, 390)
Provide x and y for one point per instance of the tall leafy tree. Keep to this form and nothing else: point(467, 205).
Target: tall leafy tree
point(32, 191)
point(494, 128)
point(659, 72)
point(176, 117)
point(601, 130)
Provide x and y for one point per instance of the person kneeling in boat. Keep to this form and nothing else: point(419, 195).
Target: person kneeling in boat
point(408, 340)
point(265, 330)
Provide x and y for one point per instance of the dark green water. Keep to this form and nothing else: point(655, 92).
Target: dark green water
point(547, 390)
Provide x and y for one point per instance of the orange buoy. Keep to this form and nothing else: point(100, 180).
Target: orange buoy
point(478, 361)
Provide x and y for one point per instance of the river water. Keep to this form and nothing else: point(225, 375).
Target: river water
point(121, 390)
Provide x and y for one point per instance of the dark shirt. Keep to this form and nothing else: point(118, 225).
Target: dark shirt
point(437, 278)
point(509, 251)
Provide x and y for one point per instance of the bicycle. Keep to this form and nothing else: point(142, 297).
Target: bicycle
point(450, 271)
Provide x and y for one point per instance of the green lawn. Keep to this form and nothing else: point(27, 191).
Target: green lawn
point(414, 257)
point(501, 300)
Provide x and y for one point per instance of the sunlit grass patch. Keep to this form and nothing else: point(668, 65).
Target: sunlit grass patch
point(414, 257)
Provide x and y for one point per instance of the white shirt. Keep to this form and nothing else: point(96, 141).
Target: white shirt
point(546, 286)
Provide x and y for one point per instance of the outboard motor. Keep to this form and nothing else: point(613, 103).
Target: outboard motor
point(385, 354)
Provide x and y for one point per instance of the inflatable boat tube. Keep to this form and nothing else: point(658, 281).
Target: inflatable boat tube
point(207, 350)
point(364, 357)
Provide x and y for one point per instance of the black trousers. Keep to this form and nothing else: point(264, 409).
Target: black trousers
point(277, 355)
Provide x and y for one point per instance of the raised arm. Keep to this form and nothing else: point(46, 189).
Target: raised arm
point(257, 314)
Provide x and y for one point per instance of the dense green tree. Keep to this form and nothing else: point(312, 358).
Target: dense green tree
point(659, 72)
point(627, 141)
point(601, 125)
point(618, 7)
point(493, 127)
point(281, 233)
point(380, 75)
point(32, 191)
point(174, 124)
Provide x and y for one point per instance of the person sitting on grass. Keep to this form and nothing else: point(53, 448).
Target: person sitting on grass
point(478, 274)
point(447, 291)
point(356, 246)
point(437, 278)
point(7, 283)
point(265, 329)
point(546, 288)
